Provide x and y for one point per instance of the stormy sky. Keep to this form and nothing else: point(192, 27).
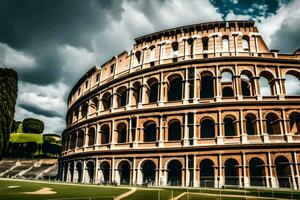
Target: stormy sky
point(51, 43)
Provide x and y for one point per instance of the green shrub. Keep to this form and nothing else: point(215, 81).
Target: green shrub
point(31, 125)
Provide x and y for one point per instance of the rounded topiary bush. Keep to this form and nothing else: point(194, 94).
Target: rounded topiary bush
point(31, 125)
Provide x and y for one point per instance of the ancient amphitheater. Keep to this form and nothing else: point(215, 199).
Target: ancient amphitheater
point(203, 105)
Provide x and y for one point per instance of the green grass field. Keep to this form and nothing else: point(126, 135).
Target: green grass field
point(18, 190)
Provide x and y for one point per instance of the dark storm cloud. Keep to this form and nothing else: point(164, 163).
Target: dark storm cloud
point(38, 27)
point(40, 111)
point(287, 38)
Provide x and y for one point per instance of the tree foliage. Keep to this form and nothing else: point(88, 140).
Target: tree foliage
point(31, 125)
point(15, 126)
point(8, 96)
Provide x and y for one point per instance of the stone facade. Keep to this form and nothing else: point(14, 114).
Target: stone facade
point(201, 105)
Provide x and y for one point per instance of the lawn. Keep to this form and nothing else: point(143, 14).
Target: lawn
point(17, 189)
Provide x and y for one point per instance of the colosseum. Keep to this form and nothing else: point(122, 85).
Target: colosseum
point(202, 105)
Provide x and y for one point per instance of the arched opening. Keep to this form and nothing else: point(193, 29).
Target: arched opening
point(91, 137)
point(148, 171)
point(152, 91)
point(122, 133)
point(65, 172)
point(79, 172)
point(121, 96)
point(207, 174)
point(106, 101)
point(94, 105)
point(80, 138)
point(174, 170)
point(175, 49)
point(73, 141)
point(250, 124)
point(207, 128)
point(294, 118)
point(136, 92)
point(207, 87)
point(84, 110)
point(149, 131)
point(175, 88)
point(138, 57)
point(246, 45)
point(205, 43)
point(231, 172)
point(71, 172)
point(152, 53)
point(190, 43)
point(283, 172)
point(104, 134)
point(257, 172)
point(266, 84)
point(226, 82)
point(90, 168)
point(124, 172)
point(292, 83)
point(105, 171)
point(76, 114)
point(246, 83)
point(227, 92)
point(225, 43)
point(174, 131)
point(272, 124)
point(229, 126)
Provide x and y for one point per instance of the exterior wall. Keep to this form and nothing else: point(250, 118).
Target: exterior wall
point(120, 97)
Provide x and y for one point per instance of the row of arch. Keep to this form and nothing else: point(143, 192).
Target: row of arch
point(257, 172)
point(208, 129)
point(175, 90)
point(189, 48)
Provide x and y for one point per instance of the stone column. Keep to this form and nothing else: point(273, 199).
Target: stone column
point(186, 131)
point(161, 131)
point(135, 173)
point(161, 90)
point(218, 95)
point(83, 172)
point(265, 136)
point(85, 138)
point(272, 181)
point(142, 94)
point(112, 138)
point(244, 136)
point(246, 179)
point(113, 178)
point(135, 141)
point(237, 81)
point(129, 96)
point(293, 176)
point(195, 99)
point(286, 133)
point(97, 135)
point(221, 177)
point(160, 177)
point(96, 179)
point(186, 171)
point(186, 87)
point(279, 84)
point(195, 183)
point(195, 129)
point(220, 134)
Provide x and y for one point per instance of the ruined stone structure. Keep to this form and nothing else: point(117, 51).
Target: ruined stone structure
point(203, 105)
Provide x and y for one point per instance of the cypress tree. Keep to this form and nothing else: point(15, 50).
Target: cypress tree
point(8, 97)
